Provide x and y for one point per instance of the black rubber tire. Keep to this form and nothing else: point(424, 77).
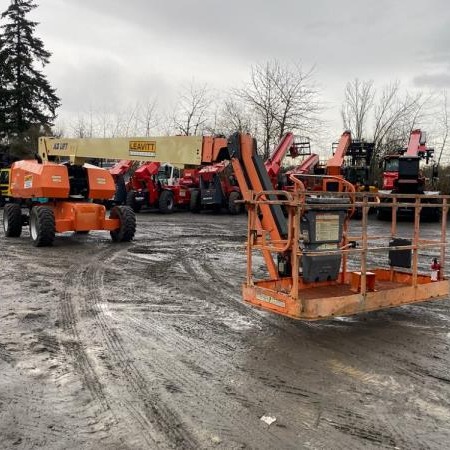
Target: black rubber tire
point(166, 202)
point(194, 203)
point(42, 226)
point(12, 220)
point(131, 202)
point(127, 229)
point(234, 208)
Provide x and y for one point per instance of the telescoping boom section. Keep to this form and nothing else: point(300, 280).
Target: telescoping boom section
point(184, 150)
point(316, 267)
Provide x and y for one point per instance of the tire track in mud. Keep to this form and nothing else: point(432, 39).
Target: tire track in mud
point(200, 281)
point(380, 433)
point(72, 281)
point(379, 428)
point(200, 272)
point(153, 415)
point(183, 372)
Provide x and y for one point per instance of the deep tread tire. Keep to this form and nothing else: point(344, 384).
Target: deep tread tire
point(42, 226)
point(127, 229)
point(233, 207)
point(194, 203)
point(166, 202)
point(131, 202)
point(12, 220)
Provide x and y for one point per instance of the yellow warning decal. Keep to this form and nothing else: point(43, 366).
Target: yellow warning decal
point(28, 181)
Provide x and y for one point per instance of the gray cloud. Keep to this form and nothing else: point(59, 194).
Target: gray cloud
point(436, 80)
point(113, 50)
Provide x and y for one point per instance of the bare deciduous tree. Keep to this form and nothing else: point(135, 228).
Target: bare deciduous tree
point(358, 101)
point(233, 116)
point(283, 97)
point(192, 110)
point(82, 128)
point(298, 100)
point(148, 117)
point(443, 126)
point(395, 115)
point(390, 115)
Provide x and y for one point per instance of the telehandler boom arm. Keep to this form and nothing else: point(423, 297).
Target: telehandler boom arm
point(335, 163)
point(183, 150)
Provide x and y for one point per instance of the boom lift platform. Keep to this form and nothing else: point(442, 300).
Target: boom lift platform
point(309, 252)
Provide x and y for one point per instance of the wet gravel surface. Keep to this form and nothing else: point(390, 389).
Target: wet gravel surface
point(149, 345)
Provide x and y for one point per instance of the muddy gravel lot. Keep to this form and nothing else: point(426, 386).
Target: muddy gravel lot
point(148, 345)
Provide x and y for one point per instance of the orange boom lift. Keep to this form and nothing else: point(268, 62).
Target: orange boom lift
point(59, 197)
point(305, 240)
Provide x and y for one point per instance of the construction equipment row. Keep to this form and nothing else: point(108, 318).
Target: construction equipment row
point(301, 228)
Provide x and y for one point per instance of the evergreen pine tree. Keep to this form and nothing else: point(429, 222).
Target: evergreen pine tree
point(28, 102)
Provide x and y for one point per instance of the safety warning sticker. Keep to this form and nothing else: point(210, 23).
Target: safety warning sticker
point(28, 181)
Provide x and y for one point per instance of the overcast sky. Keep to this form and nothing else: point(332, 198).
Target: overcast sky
point(115, 52)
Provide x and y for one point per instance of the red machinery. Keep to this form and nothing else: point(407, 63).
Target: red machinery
point(401, 172)
point(351, 160)
point(217, 188)
point(59, 199)
point(156, 185)
point(288, 143)
point(306, 167)
point(402, 175)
